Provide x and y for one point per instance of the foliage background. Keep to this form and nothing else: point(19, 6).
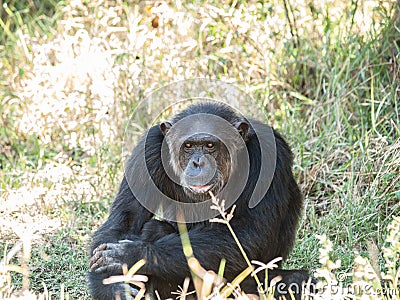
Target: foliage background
point(71, 73)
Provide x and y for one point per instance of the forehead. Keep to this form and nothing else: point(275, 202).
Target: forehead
point(200, 123)
point(201, 137)
point(202, 127)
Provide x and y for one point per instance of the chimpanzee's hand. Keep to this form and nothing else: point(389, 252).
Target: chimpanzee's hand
point(110, 257)
point(125, 291)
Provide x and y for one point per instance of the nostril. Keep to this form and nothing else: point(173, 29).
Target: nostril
point(199, 163)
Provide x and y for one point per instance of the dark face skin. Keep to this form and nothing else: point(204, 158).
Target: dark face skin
point(205, 162)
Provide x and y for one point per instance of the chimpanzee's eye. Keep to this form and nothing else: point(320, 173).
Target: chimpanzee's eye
point(210, 145)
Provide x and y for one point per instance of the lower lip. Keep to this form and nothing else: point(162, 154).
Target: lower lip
point(200, 188)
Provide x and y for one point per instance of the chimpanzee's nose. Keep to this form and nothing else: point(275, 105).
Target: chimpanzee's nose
point(199, 162)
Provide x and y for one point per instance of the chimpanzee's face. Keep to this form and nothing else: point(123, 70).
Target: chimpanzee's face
point(204, 165)
point(203, 153)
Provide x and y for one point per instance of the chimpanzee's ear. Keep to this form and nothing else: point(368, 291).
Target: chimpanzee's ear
point(164, 127)
point(243, 129)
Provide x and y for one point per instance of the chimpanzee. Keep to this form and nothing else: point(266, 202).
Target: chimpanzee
point(207, 147)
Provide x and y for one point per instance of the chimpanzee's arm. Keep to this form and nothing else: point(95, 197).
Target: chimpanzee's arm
point(165, 258)
point(125, 221)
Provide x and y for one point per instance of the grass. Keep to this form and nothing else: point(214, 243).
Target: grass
point(327, 74)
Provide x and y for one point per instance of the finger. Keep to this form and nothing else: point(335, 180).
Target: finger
point(95, 258)
point(102, 258)
point(109, 256)
point(99, 263)
point(111, 268)
point(100, 248)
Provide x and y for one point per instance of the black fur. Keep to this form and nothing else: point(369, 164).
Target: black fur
point(266, 231)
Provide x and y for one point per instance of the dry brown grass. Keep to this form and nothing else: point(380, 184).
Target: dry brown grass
point(326, 71)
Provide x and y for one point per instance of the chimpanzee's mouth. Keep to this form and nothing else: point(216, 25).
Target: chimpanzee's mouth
point(200, 189)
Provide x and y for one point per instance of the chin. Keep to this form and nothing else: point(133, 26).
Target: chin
point(198, 193)
point(200, 189)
